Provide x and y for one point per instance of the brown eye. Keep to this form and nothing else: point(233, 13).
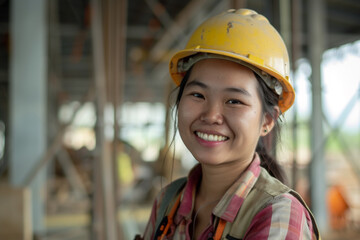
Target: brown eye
point(235, 101)
point(198, 95)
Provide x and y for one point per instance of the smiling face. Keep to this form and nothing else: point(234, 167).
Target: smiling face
point(220, 115)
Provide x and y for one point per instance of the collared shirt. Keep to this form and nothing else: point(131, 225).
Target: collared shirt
point(283, 218)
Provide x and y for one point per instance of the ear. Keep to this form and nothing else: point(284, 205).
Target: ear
point(269, 121)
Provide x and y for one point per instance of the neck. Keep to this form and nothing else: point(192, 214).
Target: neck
point(217, 179)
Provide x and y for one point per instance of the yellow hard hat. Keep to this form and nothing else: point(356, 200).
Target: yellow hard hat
point(245, 37)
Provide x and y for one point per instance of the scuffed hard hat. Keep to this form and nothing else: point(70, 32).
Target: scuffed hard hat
point(245, 37)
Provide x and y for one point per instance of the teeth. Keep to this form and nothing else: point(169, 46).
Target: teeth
point(210, 137)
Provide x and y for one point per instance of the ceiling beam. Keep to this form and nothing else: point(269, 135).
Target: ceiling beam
point(175, 30)
point(338, 39)
point(351, 4)
point(138, 32)
point(345, 19)
point(160, 71)
point(160, 12)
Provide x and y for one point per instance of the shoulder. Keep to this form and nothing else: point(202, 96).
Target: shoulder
point(287, 206)
point(284, 216)
point(168, 194)
point(173, 188)
point(270, 185)
point(163, 200)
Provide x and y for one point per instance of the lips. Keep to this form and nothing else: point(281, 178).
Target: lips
point(211, 137)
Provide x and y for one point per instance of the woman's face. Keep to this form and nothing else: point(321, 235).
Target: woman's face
point(220, 115)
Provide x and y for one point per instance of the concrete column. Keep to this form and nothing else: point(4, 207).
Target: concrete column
point(28, 75)
point(316, 43)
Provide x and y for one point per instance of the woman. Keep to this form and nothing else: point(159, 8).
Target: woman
point(233, 79)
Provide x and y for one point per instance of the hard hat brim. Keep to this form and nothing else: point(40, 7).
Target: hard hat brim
point(286, 99)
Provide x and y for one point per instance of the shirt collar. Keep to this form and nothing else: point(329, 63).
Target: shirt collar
point(189, 193)
point(230, 203)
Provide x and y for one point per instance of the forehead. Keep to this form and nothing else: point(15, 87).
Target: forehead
point(222, 72)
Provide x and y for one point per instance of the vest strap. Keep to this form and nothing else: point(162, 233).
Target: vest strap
point(167, 221)
point(220, 229)
point(162, 220)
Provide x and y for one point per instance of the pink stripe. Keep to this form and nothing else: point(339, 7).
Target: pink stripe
point(260, 225)
point(190, 187)
point(232, 209)
point(296, 218)
point(254, 167)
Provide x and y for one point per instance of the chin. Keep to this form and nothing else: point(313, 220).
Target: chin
point(209, 160)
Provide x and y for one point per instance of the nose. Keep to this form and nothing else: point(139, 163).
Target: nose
point(212, 114)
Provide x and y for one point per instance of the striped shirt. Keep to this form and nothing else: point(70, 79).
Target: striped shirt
point(282, 218)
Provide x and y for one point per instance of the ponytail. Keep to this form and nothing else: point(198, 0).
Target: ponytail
point(268, 162)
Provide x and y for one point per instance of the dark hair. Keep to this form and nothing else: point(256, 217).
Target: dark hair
point(266, 145)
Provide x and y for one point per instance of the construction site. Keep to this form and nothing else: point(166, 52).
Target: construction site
point(88, 130)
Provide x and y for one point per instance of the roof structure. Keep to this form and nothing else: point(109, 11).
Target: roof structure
point(154, 30)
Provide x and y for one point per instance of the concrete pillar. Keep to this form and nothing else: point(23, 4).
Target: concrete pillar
point(28, 75)
point(316, 43)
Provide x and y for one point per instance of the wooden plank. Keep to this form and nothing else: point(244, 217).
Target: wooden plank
point(15, 213)
point(106, 227)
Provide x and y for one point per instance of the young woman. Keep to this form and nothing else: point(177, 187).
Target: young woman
point(233, 79)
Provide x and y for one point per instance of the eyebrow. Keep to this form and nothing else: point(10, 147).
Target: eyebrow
point(238, 90)
point(196, 83)
point(230, 89)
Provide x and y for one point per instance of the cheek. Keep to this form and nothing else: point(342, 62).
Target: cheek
point(245, 121)
point(188, 113)
point(183, 115)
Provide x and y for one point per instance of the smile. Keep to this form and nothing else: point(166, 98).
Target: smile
point(211, 137)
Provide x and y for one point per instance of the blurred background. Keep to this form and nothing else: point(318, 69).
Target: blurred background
point(86, 119)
